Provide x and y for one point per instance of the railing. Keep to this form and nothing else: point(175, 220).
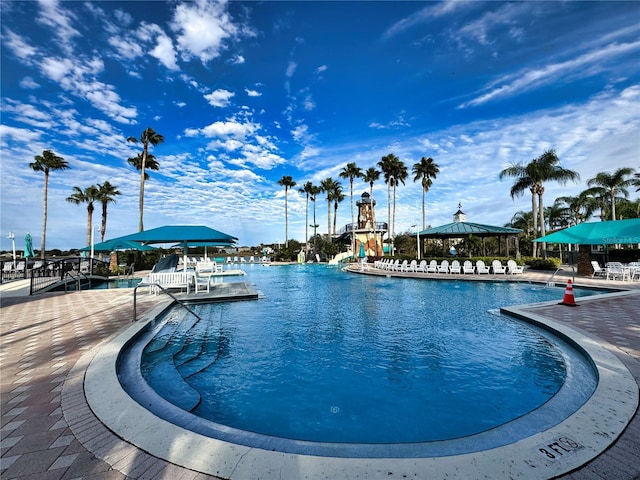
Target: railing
point(54, 271)
point(135, 305)
point(380, 227)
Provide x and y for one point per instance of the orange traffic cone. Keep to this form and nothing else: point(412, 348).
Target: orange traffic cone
point(568, 299)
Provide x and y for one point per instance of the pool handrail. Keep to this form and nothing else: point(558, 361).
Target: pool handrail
point(141, 284)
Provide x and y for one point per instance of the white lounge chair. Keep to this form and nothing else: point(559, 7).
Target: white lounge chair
point(413, 265)
point(202, 284)
point(443, 267)
point(467, 267)
point(432, 267)
point(422, 267)
point(482, 268)
point(455, 267)
point(598, 271)
point(513, 267)
point(615, 270)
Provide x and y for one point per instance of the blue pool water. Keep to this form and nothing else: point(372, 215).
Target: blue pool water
point(328, 356)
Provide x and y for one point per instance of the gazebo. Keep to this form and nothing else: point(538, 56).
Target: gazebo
point(460, 228)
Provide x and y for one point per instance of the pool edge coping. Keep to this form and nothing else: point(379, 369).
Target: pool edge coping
point(589, 427)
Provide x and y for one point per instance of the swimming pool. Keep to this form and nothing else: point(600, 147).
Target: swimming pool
point(329, 359)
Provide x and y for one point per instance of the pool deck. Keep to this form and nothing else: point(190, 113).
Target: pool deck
point(47, 430)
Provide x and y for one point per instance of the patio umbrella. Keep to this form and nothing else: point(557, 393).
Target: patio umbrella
point(28, 246)
point(183, 234)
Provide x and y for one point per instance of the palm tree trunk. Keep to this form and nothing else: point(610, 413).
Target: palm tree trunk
point(141, 200)
point(534, 213)
point(103, 225)
point(43, 241)
point(373, 217)
point(328, 218)
point(306, 230)
point(543, 232)
point(89, 226)
point(353, 227)
point(424, 216)
point(613, 204)
point(393, 220)
point(388, 215)
point(286, 219)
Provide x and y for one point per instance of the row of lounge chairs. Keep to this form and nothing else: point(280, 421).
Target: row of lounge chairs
point(616, 270)
point(453, 267)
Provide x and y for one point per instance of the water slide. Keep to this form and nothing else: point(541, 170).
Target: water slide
point(340, 257)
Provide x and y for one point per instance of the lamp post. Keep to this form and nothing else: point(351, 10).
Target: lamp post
point(417, 238)
point(12, 237)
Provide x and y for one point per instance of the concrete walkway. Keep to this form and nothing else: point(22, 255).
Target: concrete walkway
point(45, 339)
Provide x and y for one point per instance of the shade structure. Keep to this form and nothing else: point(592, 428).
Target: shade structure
point(463, 229)
point(183, 234)
point(612, 232)
point(117, 244)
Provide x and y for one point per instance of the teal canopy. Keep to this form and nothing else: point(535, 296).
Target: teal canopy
point(597, 233)
point(117, 244)
point(181, 234)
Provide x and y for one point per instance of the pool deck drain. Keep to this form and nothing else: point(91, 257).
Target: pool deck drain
point(49, 432)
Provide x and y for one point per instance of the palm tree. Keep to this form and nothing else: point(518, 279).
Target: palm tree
point(307, 188)
point(89, 195)
point(106, 195)
point(351, 171)
point(328, 186)
point(613, 184)
point(338, 197)
point(386, 165)
point(425, 170)
point(149, 136)
point(581, 207)
point(542, 169)
point(371, 176)
point(150, 164)
point(47, 162)
point(287, 182)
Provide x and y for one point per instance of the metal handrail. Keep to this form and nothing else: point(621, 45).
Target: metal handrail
point(379, 226)
point(135, 292)
point(77, 278)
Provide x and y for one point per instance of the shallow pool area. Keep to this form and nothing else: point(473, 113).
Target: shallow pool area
point(579, 435)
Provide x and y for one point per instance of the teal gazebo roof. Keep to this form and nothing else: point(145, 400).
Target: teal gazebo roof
point(463, 229)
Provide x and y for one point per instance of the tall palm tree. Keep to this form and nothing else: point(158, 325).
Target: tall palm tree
point(149, 136)
point(613, 184)
point(89, 195)
point(107, 194)
point(338, 197)
point(545, 168)
point(150, 163)
point(371, 176)
point(351, 171)
point(287, 182)
point(328, 186)
point(425, 170)
point(386, 165)
point(307, 188)
point(47, 162)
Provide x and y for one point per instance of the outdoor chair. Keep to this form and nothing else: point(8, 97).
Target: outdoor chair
point(513, 267)
point(598, 271)
point(497, 267)
point(482, 268)
point(467, 267)
point(455, 267)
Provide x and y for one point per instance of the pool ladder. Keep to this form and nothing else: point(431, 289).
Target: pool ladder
point(551, 283)
point(135, 292)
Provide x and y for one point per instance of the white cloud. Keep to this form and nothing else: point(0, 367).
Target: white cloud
point(202, 28)
point(219, 98)
point(320, 69)
point(291, 69)
point(238, 60)
point(165, 52)
point(19, 46)
point(252, 93)
point(59, 20)
point(18, 134)
point(29, 83)
point(223, 129)
point(585, 65)
point(432, 11)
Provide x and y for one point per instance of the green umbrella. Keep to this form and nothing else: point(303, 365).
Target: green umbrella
point(28, 246)
point(612, 232)
point(116, 244)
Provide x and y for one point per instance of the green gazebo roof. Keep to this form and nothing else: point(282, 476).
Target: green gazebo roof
point(462, 229)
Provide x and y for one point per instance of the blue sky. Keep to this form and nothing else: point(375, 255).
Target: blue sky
point(246, 92)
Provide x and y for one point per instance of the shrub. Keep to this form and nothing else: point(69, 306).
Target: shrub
point(544, 263)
